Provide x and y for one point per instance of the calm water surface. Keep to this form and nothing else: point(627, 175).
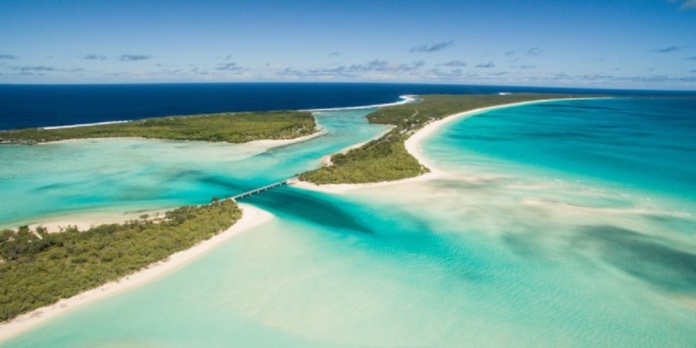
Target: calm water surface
point(561, 224)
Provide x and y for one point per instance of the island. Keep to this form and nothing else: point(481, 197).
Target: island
point(41, 268)
point(220, 127)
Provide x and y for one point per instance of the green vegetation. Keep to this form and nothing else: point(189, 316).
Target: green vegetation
point(36, 272)
point(386, 158)
point(38, 268)
point(228, 127)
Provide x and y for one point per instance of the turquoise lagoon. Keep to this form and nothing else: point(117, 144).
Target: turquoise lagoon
point(568, 223)
point(117, 175)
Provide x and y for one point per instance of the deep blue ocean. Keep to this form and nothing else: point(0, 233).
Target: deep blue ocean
point(23, 106)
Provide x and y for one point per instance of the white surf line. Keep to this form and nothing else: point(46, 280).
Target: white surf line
point(85, 125)
point(405, 99)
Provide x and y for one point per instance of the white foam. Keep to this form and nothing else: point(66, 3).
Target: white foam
point(405, 99)
point(84, 125)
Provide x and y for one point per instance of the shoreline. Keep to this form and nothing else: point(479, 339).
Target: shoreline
point(326, 160)
point(251, 217)
point(271, 143)
point(413, 146)
point(405, 99)
point(262, 142)
point(86, 219)
point(85, 124)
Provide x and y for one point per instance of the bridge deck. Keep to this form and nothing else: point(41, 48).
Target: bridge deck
point(259, 190)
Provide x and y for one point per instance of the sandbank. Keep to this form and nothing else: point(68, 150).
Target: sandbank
point(251, 217)
point(413, 146)
point(265, 143)
point(86, 220)
point(269, 143)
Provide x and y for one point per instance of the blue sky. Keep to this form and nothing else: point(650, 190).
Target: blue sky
point(608, 43)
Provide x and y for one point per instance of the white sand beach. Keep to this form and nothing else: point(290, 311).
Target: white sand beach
point(251, 217)
point(281, 142)
point(261, 144)
point(86, 220)
point(413, 146)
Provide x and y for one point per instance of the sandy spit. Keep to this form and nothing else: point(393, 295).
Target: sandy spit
point(413, 146)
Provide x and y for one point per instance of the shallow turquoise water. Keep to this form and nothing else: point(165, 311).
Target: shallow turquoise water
point(646, 144)
point(134, 174)
point(504, 252)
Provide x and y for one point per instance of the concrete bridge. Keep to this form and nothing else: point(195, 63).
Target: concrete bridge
point(261, 189)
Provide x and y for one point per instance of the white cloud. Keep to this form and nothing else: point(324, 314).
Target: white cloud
point(430, 48)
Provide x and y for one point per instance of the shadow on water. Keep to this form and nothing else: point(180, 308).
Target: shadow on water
point(385, 230)
point(52, 187)
point(228, 185)
point(287, 202)
point(644, 257)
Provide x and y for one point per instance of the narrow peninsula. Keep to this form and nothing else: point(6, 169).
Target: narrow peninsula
point(386, 158)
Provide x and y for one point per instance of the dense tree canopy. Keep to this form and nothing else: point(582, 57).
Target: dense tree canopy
point(227, 127)
point(39, 268)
